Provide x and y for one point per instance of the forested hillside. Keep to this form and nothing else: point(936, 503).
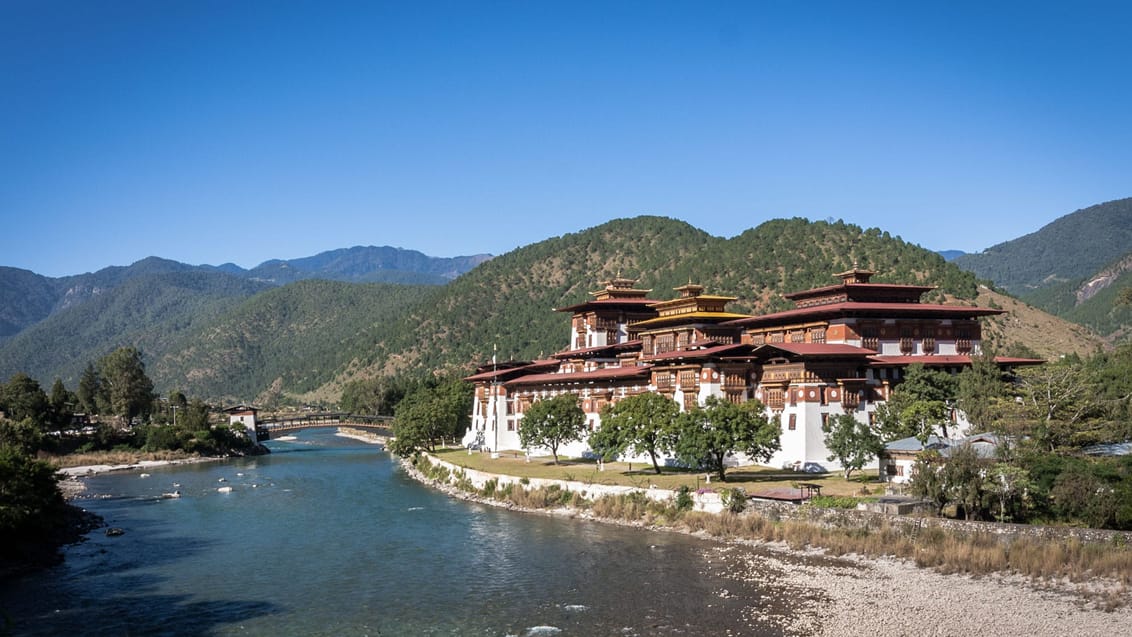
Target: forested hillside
point(25, 299)
point(148, 311)
point(1073, 268)
point(507, 302)
point(367, 264)
point(1068, 250)
point(289, 339)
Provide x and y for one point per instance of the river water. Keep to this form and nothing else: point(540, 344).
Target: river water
point(328, 536)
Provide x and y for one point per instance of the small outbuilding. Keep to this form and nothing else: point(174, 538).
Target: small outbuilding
point(243, 415)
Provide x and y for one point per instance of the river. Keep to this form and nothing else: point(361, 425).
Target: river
point(328, 536)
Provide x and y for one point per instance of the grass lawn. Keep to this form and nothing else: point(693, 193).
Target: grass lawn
point(753, 478)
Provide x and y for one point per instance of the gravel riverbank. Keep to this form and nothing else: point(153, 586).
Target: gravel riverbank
point(872, 596)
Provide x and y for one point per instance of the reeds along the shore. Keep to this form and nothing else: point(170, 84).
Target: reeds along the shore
point(948, 552)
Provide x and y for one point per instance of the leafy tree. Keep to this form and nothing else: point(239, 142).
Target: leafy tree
point(1058, 400)
point(376, 396)
point(964, 478)
point(919, 406)
point(90, 387)
point(551, 422)
point(429, 414)
point(707, 435)
point(1010, 487)
point(62, 403)
point(851, 442)
point(1079, 494)
point(126, 390)
point(642, 423)
point(982, 394)
point(928, 481)
point(24, 436)
point(30, 500)
point(23, 399)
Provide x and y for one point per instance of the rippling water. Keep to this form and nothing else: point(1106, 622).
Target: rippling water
point(327, 536)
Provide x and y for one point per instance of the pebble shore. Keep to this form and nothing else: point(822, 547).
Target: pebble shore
point(863, 596)
point(885, 596)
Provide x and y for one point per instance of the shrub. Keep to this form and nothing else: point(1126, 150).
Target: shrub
point(834, 502)
point(734, 500)
point(684, 500)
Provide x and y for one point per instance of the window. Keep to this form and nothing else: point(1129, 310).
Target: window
point(688, 379)
point(793, 422)
point(817, 335)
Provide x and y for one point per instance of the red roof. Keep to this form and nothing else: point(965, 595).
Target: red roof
point(819, 349)
point(931, 360)
point(636, 304)
point(946, 360)
point(910, 291)
point(505, 370)
point(893, 310)
point(695, 353)
point(627, 345)
point(606, 373)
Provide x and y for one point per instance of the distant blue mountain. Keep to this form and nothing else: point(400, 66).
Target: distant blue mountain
point(949, 255)
point(26, 298)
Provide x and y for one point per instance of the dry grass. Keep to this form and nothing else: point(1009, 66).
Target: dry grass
point(112, 458)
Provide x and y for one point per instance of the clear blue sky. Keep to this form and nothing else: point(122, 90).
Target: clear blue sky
point(216, 131)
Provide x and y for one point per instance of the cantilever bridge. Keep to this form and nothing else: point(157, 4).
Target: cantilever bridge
point(273, 428)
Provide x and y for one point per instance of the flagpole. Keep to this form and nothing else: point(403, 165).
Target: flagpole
point(494, 403)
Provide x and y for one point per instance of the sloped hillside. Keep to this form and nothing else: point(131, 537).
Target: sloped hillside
point(507, 302)
point(284, 340)
point(1033, 329)
point(1067, 250)
point(147, 311)
point(25, 299)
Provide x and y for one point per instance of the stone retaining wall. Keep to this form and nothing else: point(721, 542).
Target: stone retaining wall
point(710, 502)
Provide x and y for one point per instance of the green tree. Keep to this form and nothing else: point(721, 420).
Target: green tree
point(90, 387)
point(982, 392)
point(707, 435)
point(927, 481)
point(919, 405)
point(62, 404)
point(1010, 487)
point(642, 423)
point(378, 396)
point(430, 414)
point(964, 476)
point(1079, 494)
point(30, 500)
point(851, 442)
point(127, 391)
point(1059, 402)
point(23, 399)
point(24, 436)
point(551, 422)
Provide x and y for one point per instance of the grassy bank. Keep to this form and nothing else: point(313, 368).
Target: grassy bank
point(1103, 572)
point(641, 475)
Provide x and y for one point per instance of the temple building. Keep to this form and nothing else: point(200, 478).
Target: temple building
point(840, 350)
